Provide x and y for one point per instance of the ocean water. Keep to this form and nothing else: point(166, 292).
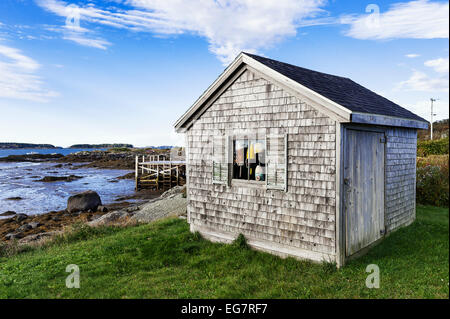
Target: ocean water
point(20, 180)
point(63, 151)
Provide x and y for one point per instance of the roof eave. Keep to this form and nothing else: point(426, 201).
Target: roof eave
point(377, 119)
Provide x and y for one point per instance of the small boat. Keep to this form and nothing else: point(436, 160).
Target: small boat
point(32, 153)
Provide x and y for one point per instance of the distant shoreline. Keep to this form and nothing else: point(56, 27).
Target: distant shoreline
point(15, 146)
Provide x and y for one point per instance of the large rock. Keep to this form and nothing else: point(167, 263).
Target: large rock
point(39, 237)
point(20, 217)
point(173, 191)
point(49, 179)
point(8, 213)
point(12, 236)
point(85, 201)
point(112, 218)
point(173, 205)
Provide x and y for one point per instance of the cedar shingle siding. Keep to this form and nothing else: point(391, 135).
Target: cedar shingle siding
point(401, 149)
point(304, 216)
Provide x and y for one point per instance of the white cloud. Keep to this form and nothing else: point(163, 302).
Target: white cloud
point(18, 79)
point(423, 109)
point(88, 42)
point(72, 30)
point(412, 55)
point(229, 26)
point(18, 59)
point(439, 65)
point(420, 81)
point(421, 19)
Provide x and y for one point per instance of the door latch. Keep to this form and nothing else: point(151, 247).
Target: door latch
point(347, 181)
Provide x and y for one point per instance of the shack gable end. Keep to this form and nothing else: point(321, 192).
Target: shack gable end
point(298, 221)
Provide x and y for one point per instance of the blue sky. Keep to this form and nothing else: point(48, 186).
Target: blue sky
point(125, 70)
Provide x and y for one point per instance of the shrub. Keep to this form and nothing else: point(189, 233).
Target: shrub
point(328, 267)
point(12, 248)
point(432, 184)
point(241, 242)
point(434, 160)
point(433, 147)
point(196, 236)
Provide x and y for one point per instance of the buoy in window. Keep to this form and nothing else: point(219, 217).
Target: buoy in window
point(259, 173)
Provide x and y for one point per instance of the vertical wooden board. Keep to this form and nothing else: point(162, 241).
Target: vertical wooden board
point(338, 221)
point(380, 184)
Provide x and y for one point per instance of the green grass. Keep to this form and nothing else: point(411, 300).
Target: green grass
point(165, 260)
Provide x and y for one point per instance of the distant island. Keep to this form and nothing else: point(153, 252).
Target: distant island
point(26, 145)
point(101, 145)
point(49, 146)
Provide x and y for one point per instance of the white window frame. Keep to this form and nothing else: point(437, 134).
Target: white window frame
point(284, 186)
point(226, 163)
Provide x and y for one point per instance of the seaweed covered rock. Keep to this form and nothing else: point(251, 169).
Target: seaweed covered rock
point(83, 202)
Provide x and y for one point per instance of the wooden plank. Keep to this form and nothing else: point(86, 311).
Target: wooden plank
point(338, 229)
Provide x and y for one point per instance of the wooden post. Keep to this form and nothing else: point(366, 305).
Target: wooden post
point(157, 176)
point(136, 172)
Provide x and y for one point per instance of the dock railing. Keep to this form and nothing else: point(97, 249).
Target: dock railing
point(159, 173)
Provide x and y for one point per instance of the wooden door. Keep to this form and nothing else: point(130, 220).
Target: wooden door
point(363, 188)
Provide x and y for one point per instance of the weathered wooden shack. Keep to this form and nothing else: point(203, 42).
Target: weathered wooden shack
point(302, 163)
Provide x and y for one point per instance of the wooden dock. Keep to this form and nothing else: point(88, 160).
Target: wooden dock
point(159, 173)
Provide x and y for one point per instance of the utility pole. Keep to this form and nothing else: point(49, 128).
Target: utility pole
point(432, 114)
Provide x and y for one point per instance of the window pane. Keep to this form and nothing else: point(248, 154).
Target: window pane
point(256, 160)
point(240, 165)
point(220, 164)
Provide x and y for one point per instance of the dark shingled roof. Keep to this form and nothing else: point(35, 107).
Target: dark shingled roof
point(340, 90)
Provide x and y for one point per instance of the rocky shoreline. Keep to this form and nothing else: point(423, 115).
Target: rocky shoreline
point(23, 227)
point(31, 158)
